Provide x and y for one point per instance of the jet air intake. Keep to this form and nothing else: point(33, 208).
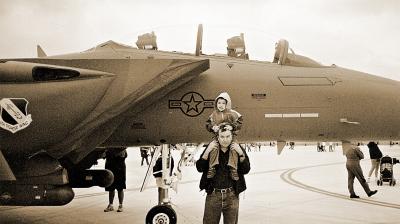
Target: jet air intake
point(15, 71)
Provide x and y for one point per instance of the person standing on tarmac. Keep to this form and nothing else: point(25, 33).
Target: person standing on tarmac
point(354, 155)
point(222, 190)
point(157, 173)
point(375, 155)
point(144, 154)
point(115, 162)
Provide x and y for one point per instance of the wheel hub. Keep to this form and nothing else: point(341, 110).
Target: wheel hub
point(161, 218)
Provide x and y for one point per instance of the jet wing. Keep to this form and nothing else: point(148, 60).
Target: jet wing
point(124, 98)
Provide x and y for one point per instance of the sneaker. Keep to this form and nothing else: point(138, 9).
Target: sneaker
point(120, 209)
point(354, 196)
point(234, 174)
point(109, 208)
point(372, 193)
point(211, 172)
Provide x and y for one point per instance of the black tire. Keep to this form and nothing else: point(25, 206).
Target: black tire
point(161, 214)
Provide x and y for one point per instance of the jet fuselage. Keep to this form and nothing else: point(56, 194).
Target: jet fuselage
point(277, 102)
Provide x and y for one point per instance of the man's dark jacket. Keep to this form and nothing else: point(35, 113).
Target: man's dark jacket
point(206, 183)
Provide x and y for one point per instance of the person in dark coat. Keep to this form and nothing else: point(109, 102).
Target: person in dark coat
point(354, 155)
point(375, 154)
point(115, 162)
point(222, 190)
point(157, 173)
point(144, 154)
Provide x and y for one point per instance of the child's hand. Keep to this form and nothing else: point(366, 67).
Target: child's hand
point(209, 148)
point(215, 128)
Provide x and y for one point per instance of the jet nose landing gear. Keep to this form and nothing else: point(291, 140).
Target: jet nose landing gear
point(161, 214)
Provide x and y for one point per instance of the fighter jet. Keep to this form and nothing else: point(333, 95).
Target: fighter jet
point(59, 113)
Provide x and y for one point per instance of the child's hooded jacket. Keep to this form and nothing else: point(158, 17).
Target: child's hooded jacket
point(226, 116)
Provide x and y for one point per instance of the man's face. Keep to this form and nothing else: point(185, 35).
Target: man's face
point(225, 138)
point(221, 104)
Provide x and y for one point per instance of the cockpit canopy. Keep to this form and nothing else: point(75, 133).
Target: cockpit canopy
point(283, 57)
point(236, 48)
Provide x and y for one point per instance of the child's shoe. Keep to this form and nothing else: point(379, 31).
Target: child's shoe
point(211, 172)
point(234, 174)
point(109, 208)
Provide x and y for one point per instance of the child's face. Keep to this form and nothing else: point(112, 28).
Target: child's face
point(221, 104)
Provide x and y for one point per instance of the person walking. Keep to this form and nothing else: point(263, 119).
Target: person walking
point(354, 155)
point(222, 190)
point(375, 154)
point(115, 162)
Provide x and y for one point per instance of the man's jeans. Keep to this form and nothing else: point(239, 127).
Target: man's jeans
point(220, 202)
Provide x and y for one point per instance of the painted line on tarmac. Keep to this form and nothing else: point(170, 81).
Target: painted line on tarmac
point(287, 177)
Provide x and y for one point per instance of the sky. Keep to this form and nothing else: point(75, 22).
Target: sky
point(362, 35)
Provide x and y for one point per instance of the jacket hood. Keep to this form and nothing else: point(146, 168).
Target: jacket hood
point(225, 96)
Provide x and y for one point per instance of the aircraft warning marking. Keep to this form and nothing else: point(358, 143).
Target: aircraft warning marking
point(191, 104)
point(258, 96)
point(293, 115)
point(230, 65)
point(14, 114)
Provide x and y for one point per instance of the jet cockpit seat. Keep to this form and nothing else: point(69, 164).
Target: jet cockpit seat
point(281, 52)
point(147, 41)
point(283, 57)
point(236, 47)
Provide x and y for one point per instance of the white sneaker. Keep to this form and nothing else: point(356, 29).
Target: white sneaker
point(120, 209)
point(109, 208)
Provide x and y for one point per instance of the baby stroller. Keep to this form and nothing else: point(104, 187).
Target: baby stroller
point(386, 170)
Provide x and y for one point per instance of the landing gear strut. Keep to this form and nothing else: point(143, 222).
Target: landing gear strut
point(162, 213)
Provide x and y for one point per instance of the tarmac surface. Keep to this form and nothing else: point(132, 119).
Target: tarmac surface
point(298, 186)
